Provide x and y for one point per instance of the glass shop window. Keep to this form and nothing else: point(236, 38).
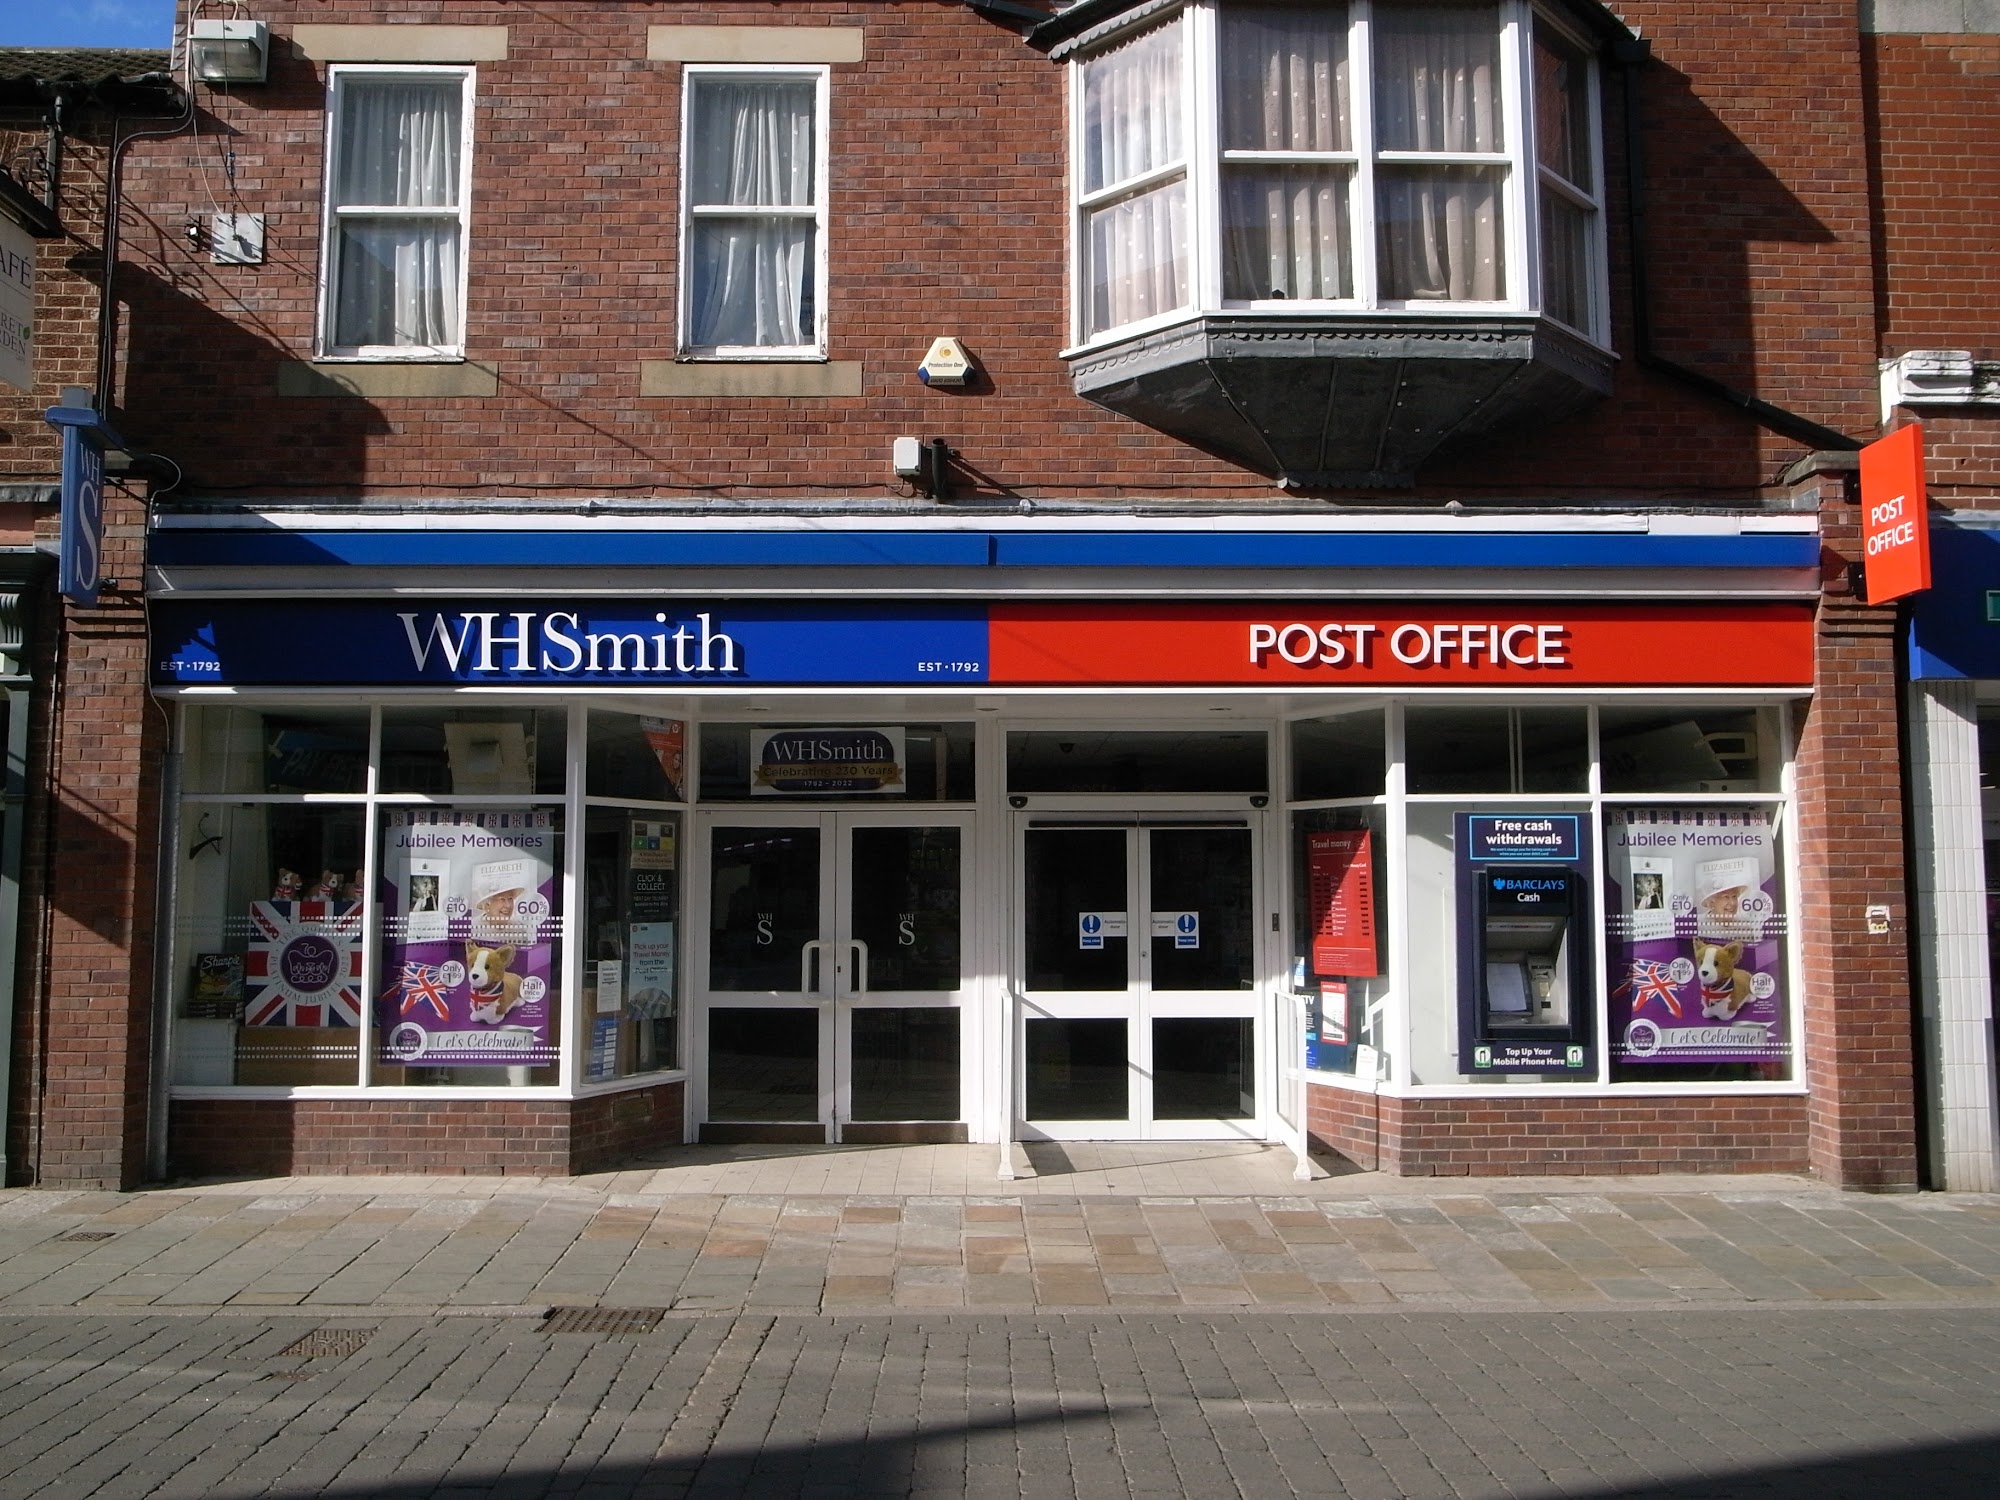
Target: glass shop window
point(876, 764)
point(1138, 760)
point(273, 751)
point(1687, 749)
point(1697, 919)
point(268, 926)
point(1496, 750)
point(1340, 931)
point(1339, 757)
point(631, 931)
point(636, 757)
point(474, 752)
point(469, 983)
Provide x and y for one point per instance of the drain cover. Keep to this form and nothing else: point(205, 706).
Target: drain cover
point(602, 1319)
point(86, 1236)
point(326, 1343)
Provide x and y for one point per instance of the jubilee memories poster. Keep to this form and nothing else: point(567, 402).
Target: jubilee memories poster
point(1697, 937)
point(469, 939)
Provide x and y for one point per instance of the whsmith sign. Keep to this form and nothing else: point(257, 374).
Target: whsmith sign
point(622, 643)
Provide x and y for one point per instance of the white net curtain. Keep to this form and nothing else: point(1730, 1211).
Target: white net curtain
point(1284, 87)
point(1437, 90)
point(752, 145)
point(397, 176)
point(1138, 244)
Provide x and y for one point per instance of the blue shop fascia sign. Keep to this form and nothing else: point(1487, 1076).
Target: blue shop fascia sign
point(587, 643)
point(1955, 624)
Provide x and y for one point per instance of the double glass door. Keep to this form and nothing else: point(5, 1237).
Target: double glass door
point(829, 993)
point(1139, 980)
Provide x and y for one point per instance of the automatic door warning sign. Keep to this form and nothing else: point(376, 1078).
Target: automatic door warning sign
point(1184, 927)
point(1093, 927)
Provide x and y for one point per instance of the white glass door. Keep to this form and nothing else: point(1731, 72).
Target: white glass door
point(1138, 974)
point(832, 974)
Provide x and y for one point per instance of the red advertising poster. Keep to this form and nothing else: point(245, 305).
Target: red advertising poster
point(1896, 528)
point(1340, 884)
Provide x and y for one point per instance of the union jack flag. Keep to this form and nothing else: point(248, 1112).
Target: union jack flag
point(304, 964)
point(418, 985)
point(1650, 980)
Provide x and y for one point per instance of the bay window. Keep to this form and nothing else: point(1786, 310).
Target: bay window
point(397, 180)
point(1371, 156)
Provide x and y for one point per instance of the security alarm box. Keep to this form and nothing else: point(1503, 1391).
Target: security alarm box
point(1524, 945)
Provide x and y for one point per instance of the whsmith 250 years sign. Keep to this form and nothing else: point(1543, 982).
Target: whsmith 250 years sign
point(624, 643)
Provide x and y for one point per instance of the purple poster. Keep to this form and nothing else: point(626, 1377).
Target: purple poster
point(468, 939)
point(1696, 936)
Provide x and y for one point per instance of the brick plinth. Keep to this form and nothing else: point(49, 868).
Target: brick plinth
point(482, 1137)
point(1559, 1137)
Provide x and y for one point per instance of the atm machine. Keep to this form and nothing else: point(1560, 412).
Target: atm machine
point(1524, 945)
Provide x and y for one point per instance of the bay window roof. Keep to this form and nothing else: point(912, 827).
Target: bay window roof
point(1326, 238)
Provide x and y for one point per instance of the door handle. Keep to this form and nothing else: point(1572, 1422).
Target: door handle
point(806, 952)
point(860, 985)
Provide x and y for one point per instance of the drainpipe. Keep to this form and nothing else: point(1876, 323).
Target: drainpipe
point(1629, 54)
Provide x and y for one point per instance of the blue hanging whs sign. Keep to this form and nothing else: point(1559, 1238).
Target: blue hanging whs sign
point(80, 555)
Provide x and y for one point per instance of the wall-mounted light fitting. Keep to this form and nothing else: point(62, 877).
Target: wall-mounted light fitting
point(229, 51)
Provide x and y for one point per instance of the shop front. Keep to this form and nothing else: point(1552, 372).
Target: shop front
point(1953, 713)
point(1446, 868)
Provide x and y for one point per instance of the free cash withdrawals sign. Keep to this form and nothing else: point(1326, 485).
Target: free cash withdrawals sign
point(1896, 529)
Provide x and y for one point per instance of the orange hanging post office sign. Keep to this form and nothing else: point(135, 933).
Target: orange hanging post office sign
point(1896, 528)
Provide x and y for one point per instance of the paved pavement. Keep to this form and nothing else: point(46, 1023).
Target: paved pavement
point(1063, 1240)
point(1110, 1326)
point(1820, 1404)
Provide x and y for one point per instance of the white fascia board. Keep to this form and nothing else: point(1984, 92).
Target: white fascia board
point(1621, 523)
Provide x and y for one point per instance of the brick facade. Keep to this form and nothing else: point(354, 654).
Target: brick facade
point(1559, 1138)
point(447, 1137)
point(1766, 203)
point(83, 988)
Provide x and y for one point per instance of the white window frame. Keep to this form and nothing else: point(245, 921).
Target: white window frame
point(332, 214)
point(1592, 202)
point(822, 76)
point(1200, 75)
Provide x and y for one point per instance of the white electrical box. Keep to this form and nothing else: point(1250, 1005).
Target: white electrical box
point(236, 239)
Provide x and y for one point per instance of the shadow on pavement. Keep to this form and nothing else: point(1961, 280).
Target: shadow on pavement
point(1041, 1449)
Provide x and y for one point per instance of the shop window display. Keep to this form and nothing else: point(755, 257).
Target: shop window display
point(1339, 968)
point(413, 935)
point(268, 931)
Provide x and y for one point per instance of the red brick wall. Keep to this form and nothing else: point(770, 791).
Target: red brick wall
point(1937, 198)
point(1859, 1044)
point(1559, 1137)
point(948, 216)
point(82, 986)
point(312, 1137)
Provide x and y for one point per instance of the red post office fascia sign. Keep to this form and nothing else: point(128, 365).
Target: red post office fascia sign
point(1321, 644)
point(1895, 524)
